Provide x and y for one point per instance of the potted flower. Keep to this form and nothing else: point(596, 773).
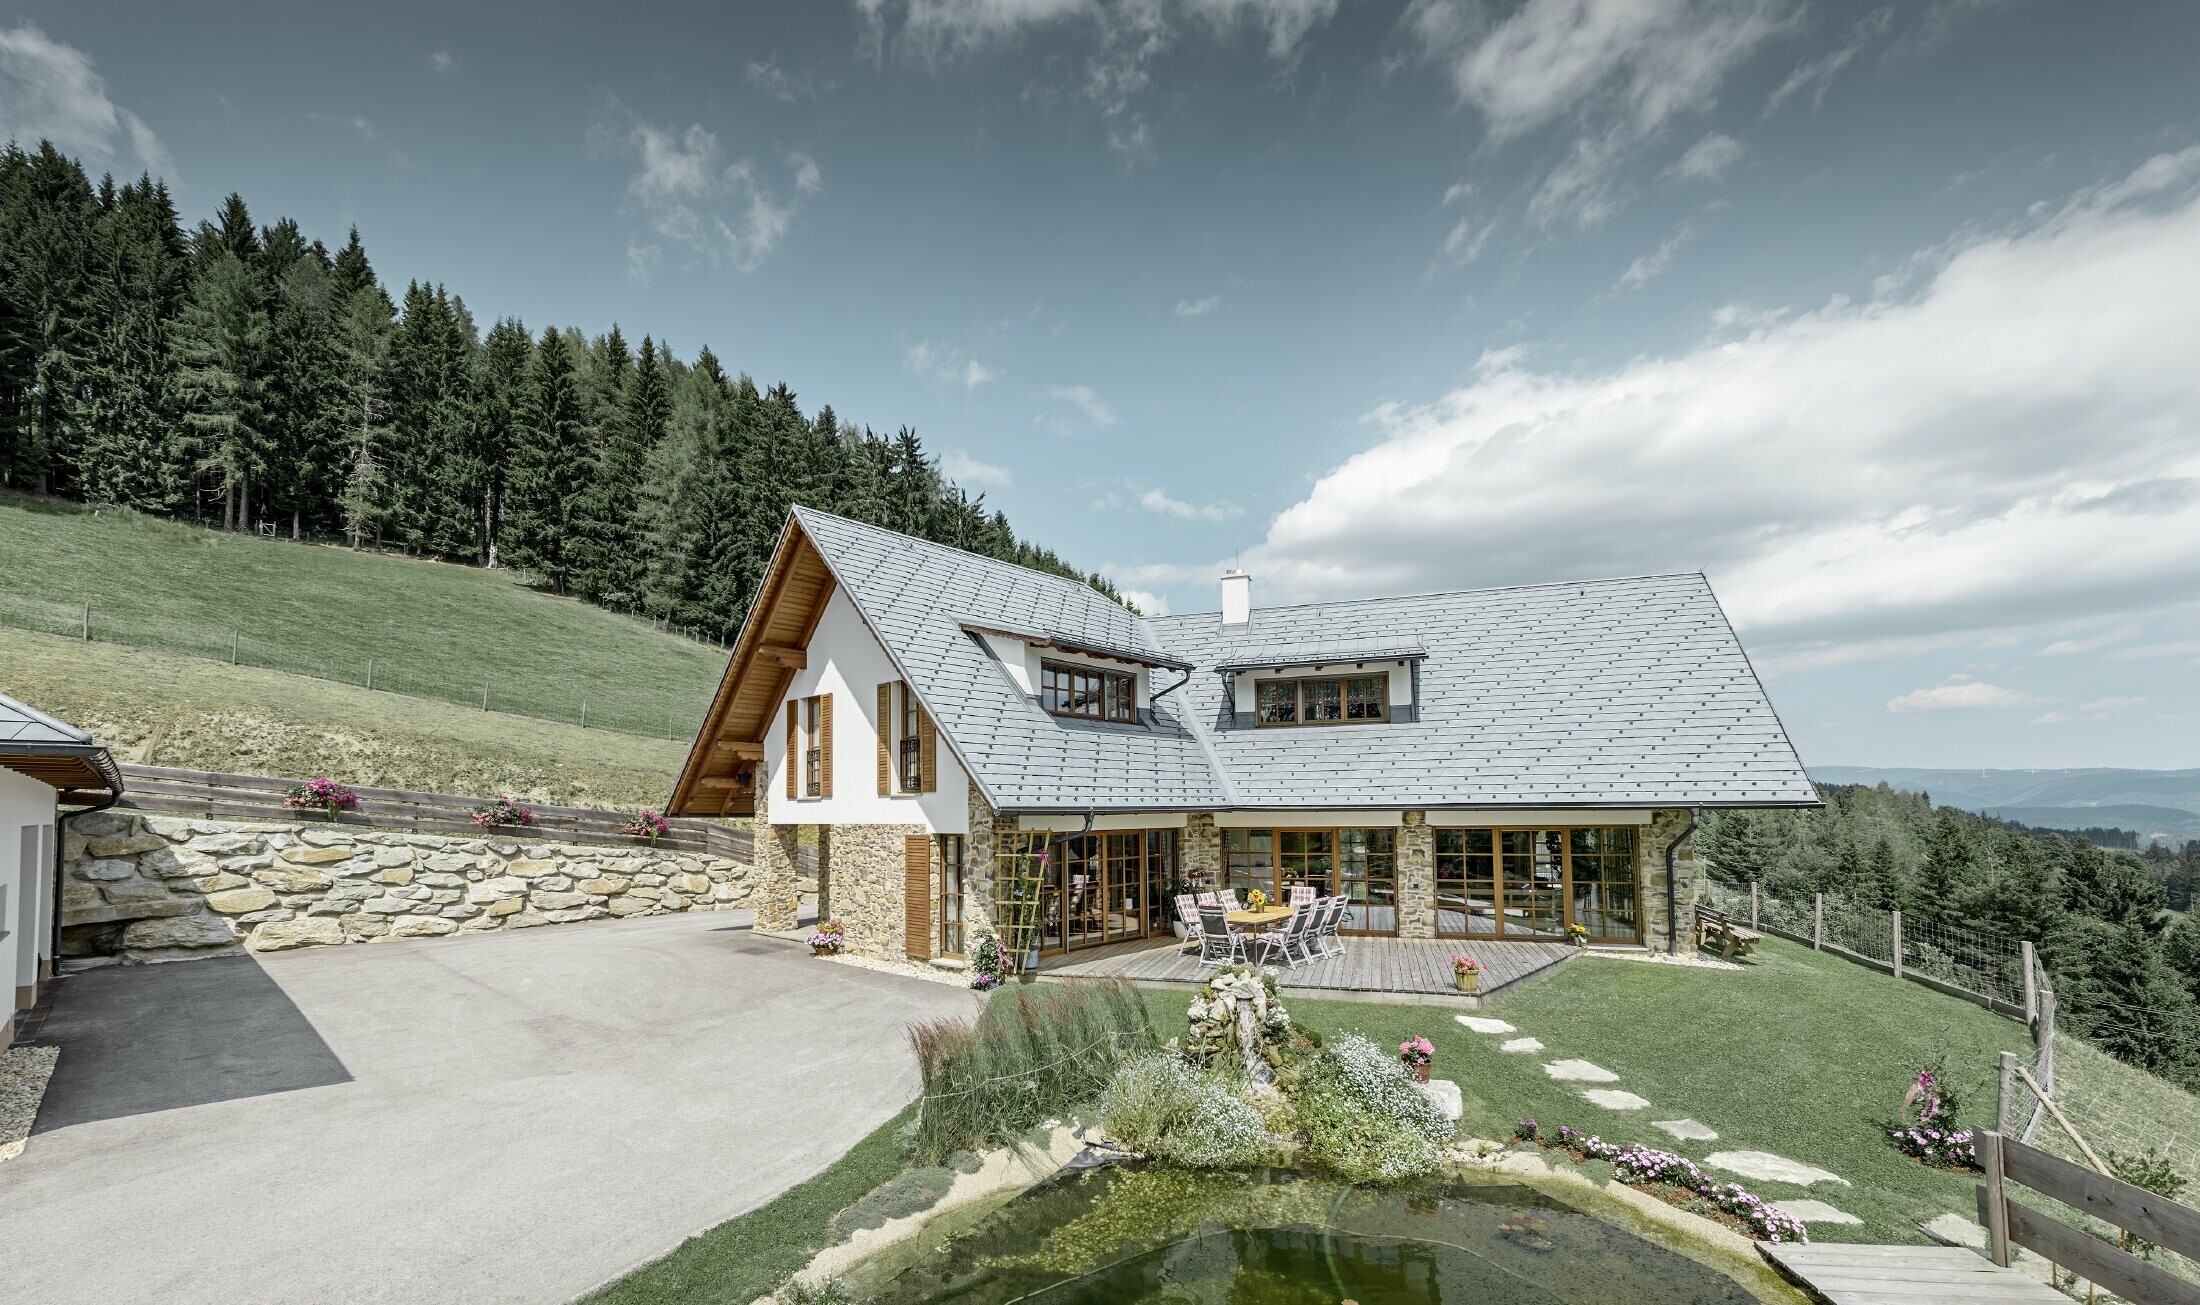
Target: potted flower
point(985, 963)
point(1577, 935)
point(647, 825)
point(826, 940)
point(321, 794)
point(1256, 900)
point(1466, 973)
point(504, 813)
point(1417, 1052)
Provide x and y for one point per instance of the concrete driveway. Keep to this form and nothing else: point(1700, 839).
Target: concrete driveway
point(507, 1117)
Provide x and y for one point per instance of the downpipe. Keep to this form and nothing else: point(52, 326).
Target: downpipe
point(1672, 894)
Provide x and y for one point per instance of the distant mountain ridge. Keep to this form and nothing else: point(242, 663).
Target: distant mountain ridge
point(2163, 804)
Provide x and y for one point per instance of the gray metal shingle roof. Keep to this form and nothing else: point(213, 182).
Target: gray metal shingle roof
point(1606, 693)
point(22, 723)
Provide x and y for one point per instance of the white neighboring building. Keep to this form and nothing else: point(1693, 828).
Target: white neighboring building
point(49, 770)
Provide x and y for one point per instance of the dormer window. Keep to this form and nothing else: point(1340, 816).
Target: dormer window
point(1324, 700)
point(1088, 693)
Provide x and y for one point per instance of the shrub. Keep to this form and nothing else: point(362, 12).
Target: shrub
point(1931, 1131)
point(647, 824)
point(1021, 1061)
point(321, 794)
point(1362, 1118)
point(986, 963)
point(1162, 1107)
point(503, 813)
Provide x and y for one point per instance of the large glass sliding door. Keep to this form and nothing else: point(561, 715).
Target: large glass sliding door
point(1367, 871)
point(1359, 864)
point(1107, 888)
point(1532, 883)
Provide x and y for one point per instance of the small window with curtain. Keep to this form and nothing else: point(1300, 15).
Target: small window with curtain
point(1324, 700)
point(813, 755)
point(1088, 692)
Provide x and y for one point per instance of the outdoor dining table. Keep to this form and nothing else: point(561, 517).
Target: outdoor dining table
point(1260, 919)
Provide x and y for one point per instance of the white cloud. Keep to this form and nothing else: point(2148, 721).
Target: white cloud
point(1709, 157)
point(2147, 651)
point(443, 61)
point(641, 261)
point(1286, 21)
point(1550, 58)
point(50, 91)
point(1584, 189)
point(787, 87)
point(963, 469)
point(692, 197)
point(370, 136)
point(1728, 317)
point(1146, 601)
point(1817, 75)
point(1154, 500)
point(1653, 265)
point(2092, 713)
point(1083, 398)
point(947, 364)
point(2009, 449)
point(1466, 240)
point(1198, 307)
point(2090, 643)
point(1961, 693)
point(1457, 191)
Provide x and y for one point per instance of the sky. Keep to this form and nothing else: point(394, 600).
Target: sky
point(1886, 319)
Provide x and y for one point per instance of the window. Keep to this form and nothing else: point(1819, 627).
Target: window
point(911, 762)
point(1324, 700)
point(1532, 883)
point(813, 756)
point(951, 894)
point(1088, 692)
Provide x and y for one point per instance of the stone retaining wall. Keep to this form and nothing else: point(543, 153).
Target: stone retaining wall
point(138, 887)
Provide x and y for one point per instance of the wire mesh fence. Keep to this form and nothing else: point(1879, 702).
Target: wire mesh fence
point(533, 700)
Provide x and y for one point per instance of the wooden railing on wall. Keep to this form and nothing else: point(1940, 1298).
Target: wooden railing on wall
point(219, 796)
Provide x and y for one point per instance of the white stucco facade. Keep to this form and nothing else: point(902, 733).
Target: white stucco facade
point(26, 886)
point(846, 660)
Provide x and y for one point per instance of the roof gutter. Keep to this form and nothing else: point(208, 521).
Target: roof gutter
point(1672, 895)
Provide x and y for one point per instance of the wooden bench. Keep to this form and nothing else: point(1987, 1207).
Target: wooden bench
point(1717, 929)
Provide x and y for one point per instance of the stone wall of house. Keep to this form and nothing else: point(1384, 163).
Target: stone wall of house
point(867, 881)
point(1416, 871)
point(1199, 852)
point(778, 896)
point(1650, 845)
point(979, 847)
point(139, 887)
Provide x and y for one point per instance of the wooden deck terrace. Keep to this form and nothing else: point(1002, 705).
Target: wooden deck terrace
point(1371, 969)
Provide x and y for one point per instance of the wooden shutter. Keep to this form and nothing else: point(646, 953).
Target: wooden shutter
point(916, 869)
point(886, 738)
point(794, 742)
point(928, 746)
point(825, 745)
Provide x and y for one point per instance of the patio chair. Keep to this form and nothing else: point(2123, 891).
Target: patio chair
point(1327, 941)
point(1187, 914)
point(1218, 942)
point(1300, 896)
point(1292, 939)
point(1207, 899)
point(1229, 899)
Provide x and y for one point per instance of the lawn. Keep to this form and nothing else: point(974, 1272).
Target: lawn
point(432, 629)
point(747, 1257)
point(167, 710)
point(1802, 1055)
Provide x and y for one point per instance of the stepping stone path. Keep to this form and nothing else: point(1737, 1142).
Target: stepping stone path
point(1445, 1094)
point(1768, 1167)
point(1476, 1024)
point(1688, 1130)
point(1612, 1099)
point(1579, 1071)
point(1520, 1044)
point(1814, 1212)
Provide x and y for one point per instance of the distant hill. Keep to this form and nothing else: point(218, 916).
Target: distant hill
point(2159, 805)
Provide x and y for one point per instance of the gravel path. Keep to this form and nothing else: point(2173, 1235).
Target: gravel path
point(23, 1075)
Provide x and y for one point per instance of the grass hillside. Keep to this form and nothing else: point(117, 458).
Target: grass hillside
point(165, 710)
point(431, 628)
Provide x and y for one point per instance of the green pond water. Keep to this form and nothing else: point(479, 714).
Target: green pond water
point(1127, 1234)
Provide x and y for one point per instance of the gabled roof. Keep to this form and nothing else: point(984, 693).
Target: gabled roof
point(1614, 693)
point(917, 598)
point(54, 752)
point(1601, 693)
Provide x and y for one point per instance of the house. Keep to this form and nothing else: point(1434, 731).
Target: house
point(45, 765)
point(1492, 764)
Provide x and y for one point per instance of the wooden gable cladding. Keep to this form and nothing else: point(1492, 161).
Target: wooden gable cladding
point(724, 766)
point(916, 893)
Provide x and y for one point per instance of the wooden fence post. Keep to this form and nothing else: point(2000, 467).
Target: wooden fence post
point(584, 713)
point(2031, 984)
point(1898, 944)
point(1818, 921)
point(234, 639)
point(370, 673)
point(485, 697)
point(1753, 905)
point(1996, 1209)
point(87, 622)
point(2003, 1118)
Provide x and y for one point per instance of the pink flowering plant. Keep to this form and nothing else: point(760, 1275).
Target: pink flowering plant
point(1462, 966)
point(826, 937)
point(321, 794)
point(1673, 1178)
point(647, 824)
point(1416, 1051)
point(1929, 1131)
point(506, 811)
point(986, 963)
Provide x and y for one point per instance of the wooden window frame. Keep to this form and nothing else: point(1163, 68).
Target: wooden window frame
point(1299, 701)
point(908, 748)
point(1275, 886)
point(1496, 862)
point(1113, 695)
point(950, 939)
point(813, 786)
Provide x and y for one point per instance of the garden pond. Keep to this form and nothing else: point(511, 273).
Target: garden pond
point(1126, 1233)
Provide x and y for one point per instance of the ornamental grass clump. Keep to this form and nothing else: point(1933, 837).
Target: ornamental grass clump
point(1159, 1106)
point(1020, 1062)
point(1360, 1116)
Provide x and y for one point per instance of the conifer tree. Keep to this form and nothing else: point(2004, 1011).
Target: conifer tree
point(551, 467)
point(222, 346)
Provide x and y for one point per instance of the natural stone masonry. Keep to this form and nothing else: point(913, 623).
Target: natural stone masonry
point(1416, 870)
point(867, 881)
point(139, 887)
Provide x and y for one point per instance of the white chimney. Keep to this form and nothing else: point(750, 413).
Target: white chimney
point(1237, 597)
